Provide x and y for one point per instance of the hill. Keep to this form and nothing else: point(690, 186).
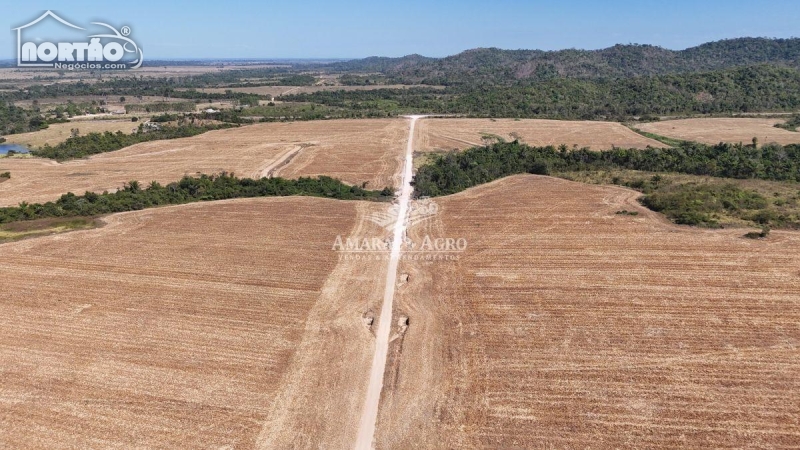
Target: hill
point(497, 65)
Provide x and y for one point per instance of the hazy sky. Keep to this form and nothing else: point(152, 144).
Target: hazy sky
point(355, 28)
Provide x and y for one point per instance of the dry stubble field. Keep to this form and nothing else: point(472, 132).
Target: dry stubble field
point(215, 325)
point(716, 130)
point(355, 151)
point(449, 134)
point(567, 325)
point(60, 132)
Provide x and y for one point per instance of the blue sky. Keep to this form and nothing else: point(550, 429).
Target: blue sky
point(356, 28)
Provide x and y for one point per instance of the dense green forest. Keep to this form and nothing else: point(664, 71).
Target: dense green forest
point(687, 204)
point(496, 66)
point(93, 143)
point(758, 88)
point(14, 119)
point(134, 197)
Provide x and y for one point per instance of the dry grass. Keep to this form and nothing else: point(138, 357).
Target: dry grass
point(198, 326)
point(357, 152)
point(565, 325)
point(354, 151)
point(716, 130)
point(60, 132)
point(449, 134)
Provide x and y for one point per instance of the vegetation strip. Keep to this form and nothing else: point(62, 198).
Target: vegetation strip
point(94, 143)
point(684, 203)
point(188, 190)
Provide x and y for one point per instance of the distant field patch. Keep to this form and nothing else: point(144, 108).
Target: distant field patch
point(449, 134)
point(716, 130)
point(60, 132)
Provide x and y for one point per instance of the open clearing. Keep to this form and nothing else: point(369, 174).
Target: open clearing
point(449, 134)
point(213, 325)
point(565, 325)
point(60, 132)
point(355, 151)
point(716, 130)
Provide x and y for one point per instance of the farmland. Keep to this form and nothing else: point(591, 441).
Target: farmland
point(60, 132)
point(449, 134)
point(575, 317)
point(209, 325)
point(565, 324)
point(715, 130)
point(354, 151)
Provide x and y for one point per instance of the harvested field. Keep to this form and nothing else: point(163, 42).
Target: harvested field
point(449, 134)
point(368, 152)
point(565, 325)
point(354, 151)
point(214, 325)
point(59, 132)
point(716, 130)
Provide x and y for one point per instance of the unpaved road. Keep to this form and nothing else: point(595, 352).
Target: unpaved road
point(272, 169)
point(369, 415)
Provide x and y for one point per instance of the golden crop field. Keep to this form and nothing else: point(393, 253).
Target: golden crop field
point(212, 325)
point(356, 151)
point(716, 130)
point(449, 134)
point(565, 325)
point(60, 132)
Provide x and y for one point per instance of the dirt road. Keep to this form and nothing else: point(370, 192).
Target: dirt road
point(272, 169)
point(369, 416)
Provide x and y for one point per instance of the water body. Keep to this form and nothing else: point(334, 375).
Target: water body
point(5, 148)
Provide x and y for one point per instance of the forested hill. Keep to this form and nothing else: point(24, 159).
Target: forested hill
point(504, 66)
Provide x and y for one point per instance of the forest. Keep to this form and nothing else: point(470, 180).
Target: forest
point(739, 90)
point(503, 67)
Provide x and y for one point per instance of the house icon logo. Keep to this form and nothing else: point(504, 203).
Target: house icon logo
point(109, 49)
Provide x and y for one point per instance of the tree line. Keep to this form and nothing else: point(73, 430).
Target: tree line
point(93, 143)
point(455, 171)
point(134, 197)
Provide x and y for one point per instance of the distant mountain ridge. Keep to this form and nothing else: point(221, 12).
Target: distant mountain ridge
point(496, 65)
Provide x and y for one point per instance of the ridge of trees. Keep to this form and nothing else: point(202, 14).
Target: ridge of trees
point(134, 197)
point(495, 65)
